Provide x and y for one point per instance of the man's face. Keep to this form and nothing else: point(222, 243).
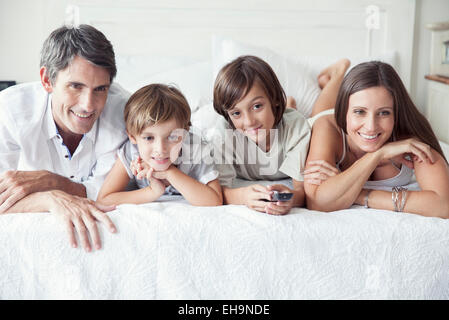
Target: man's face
point(79, 94)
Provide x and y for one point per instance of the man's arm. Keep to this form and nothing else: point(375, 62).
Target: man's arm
point(78, 213)
point(15, 185)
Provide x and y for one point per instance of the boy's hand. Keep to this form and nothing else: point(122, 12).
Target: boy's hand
point(254, 196)
point(156, 185)
point(142, 170)
point(279, 207)
point(139, 168)
point(164, 175)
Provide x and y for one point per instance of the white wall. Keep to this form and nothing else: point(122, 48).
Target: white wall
point(24, 25)
point(427, 11)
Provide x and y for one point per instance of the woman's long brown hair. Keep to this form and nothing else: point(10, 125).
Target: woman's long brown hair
point(408, 120)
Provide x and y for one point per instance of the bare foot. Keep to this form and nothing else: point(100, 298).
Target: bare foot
point(291, 102)
point(323, 79)
point(327, 73)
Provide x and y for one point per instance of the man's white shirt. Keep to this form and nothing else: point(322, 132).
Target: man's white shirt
point(29, 139)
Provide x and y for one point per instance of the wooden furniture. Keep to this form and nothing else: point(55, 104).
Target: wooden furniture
point(438, 84)
point(438, 105)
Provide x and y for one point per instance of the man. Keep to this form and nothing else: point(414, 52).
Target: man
point(58, 138)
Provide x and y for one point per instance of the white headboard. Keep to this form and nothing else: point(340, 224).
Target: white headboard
point(319, 27)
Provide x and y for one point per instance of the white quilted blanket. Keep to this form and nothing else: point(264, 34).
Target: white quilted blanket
point(171, 250)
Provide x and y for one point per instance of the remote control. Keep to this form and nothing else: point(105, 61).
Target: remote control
point(279, 196)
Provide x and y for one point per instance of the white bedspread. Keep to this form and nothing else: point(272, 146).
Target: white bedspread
point(171, 250)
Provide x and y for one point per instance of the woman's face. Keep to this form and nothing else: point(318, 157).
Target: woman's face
point(370, 119)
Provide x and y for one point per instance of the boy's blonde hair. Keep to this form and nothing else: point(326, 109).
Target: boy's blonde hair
point(156, 103)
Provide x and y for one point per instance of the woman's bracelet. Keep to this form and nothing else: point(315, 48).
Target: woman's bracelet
point(366, 198)
point(404, 198)
point(395, 198)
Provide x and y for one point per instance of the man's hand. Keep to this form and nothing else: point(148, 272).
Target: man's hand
point(80, 216)
point(16, 185)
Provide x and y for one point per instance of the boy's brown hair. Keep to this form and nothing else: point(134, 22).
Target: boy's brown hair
point(153, 104)
point(237, 78)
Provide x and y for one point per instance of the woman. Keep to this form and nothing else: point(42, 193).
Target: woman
point(376, 140)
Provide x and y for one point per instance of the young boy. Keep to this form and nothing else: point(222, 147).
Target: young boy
point(271, 141)
point(157, 119)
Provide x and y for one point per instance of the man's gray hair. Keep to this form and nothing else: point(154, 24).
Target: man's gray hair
point(84, 41)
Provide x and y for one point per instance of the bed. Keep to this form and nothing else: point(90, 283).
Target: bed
point(171, 250)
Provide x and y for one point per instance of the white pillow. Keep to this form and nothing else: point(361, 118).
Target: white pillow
point(132, 69)
point(194, 81)
point(297, 75)
point(294, 77)
point(193, 78)
point(207, 121)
